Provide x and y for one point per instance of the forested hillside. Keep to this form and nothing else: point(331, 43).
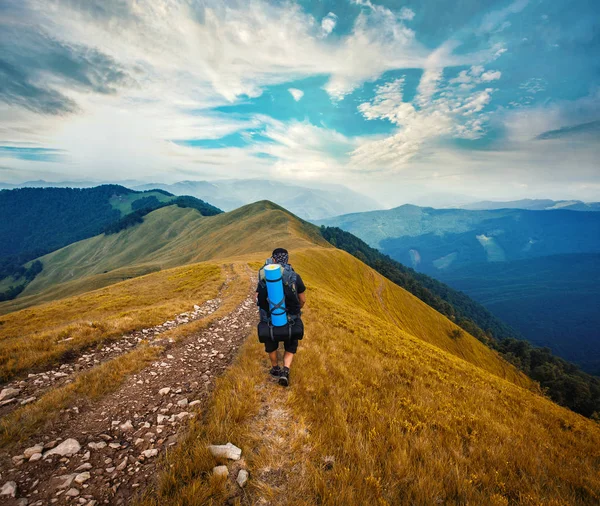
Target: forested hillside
point(553, 301)
point(36, 221)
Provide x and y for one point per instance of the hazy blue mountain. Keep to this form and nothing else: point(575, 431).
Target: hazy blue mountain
point(554, 301)
point(534, 205)
point(307, 202)
point(431, 240)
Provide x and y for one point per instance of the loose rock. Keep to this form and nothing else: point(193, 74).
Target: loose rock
point(221, 471)
point(228, 451)
point(9, 393)
point(9, 489)
point(242, 478)
point(65, 449)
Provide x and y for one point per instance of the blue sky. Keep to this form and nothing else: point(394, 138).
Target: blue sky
point(398, 99)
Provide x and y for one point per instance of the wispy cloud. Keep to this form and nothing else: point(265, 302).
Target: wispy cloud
point(450, 109)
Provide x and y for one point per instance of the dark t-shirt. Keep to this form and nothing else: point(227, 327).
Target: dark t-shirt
point(291, 304)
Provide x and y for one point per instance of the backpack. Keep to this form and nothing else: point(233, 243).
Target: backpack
point(289, 278)
point(294, 328)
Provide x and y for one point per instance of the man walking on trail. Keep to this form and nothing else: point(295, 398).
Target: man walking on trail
point(295, 298)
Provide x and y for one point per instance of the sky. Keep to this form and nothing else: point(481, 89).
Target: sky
point(400, 100)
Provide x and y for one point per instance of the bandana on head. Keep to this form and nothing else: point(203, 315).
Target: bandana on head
point(281, 258)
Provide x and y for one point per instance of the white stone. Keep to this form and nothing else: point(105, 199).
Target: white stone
point(182, 403)
point(9, 489)
point(122, 465)
point(228, 451)
point(97, 446)
point(150, 453)
point(127, 426)
point(182, 415)
point(35, 457)
point(82, 477)
point(63, 481)
point(29, 400)
point(221, 471)
point(194, 403)
point(242, 478)
point(84, 467)
point(164, 391)
point(72, 492)
point(161, 418)
point(9, 393)
point(33, 449)
point(65, 449)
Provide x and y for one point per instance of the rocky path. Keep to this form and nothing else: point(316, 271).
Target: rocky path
point(104, 452)
point(22, 392)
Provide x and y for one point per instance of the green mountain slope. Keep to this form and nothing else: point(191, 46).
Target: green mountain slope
point(168, 237)
point(37, 221)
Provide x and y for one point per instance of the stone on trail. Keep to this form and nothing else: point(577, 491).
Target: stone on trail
point(82, 477)
point(182, 403)
point(84, 467)
point(72, 492)
point(228, 451)
point(33, 449)
point(9, 489)
point(35, 457)
point(150, 453)
point(221, 471)
point(9, 393)
point(97, 446)
point(65, 449)
point(164, 391)
point(242, 478)
point(127, 426)
point(63, 481)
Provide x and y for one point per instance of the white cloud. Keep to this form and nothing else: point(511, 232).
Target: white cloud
point(296, 93)
point(328, 24)
point(450, 110)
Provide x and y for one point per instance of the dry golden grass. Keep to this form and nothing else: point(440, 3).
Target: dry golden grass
point(36, 337)
point(406, 420)
point(92, 384)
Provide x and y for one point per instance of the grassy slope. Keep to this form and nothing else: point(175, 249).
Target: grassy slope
point(168, 237)
point(35, 337)
point(378, 386)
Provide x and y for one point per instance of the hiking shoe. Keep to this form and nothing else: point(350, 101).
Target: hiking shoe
point(284, 377)
point(275, 371)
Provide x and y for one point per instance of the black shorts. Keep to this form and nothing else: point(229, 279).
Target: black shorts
point(290, 346)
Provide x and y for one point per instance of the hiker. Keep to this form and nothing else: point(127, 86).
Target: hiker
point(295, 298)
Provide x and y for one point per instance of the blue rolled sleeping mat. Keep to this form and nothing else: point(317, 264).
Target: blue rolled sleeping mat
point(280, 326)
point(274, 279)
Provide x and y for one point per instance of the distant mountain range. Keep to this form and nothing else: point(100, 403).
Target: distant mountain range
point(507, 259)
point(310, 202)
point(534, 205)
point(306, 202)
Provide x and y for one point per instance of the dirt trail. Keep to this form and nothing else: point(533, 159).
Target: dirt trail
point(36, 384)
point(122, 436)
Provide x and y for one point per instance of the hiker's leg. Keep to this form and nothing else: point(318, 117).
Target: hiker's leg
point(273, 357)
point(287, 359)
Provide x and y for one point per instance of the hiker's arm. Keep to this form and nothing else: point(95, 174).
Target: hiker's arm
point(302, 299)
